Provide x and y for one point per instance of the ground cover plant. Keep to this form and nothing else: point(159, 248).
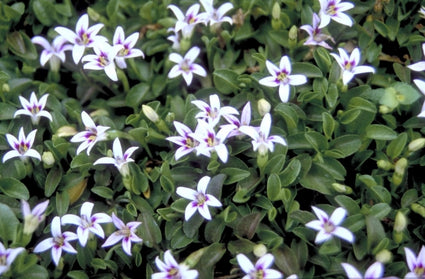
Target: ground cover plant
point(212, 139)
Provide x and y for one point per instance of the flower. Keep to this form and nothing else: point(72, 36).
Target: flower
point(212, 113)
point(200, 200)
point(125, 232)
point(333, 9)
point(120, 159)
point(52, 52)
point(281, 77)
point(235, 123)
point(21, 146)
point(210, 141)
point(328, 227)
point(59, 241)
point(419, 66)
point(421, 86)
point(34, 108)
point(260, 269)
point(375, 271)
point(83, 37)
point(92, 134)
point(187, 143)
point(186, 22)
point(415, 264)
point(33, 218)
point(213, 15)
point(170, 269)
point(422, 12)
point(7, 256)
point(185, 65)
point(103, 59)
point(349, 64)
point(316, 37)
point(127, 46)
point(87, 222)
point(261, 139)
point(175, 38)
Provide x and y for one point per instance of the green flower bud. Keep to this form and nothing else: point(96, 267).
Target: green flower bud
point(293, 33)
point(384, 165)
point(397, 237)
point(171, 116)
point(400, 222)
point(417, 208)
point(276, 11)
point(5, 87)
point(341, 188)
point(263, 106)
point(416, 144)
point(66, 131)
point(260, 250)
point(48, 159)
point(383, 109)
point(400, 166)
point(150, 113)
point(384, 256)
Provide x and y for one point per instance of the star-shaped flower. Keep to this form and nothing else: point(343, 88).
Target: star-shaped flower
point(260, 269)
point(34, 108)
point(87, 223)
point(375, 271)
point(212, 112)
point(329, 227)
point(186, 66)
point(214, 16)
point(58, 242)
point(32, 218)
point(235, 123)
point(83, 37)
point(349, 64)
point(127, 47)
point(186, 142)
point(103, 59)
point(7, 256)
point(91, 136)
point(186, 22)
point(282, 77)
point(261, 139)
point(21, 146)
point(199, 199)
point(170, 269)
point(55, 52)
point(126, 233)
point(333, 9)
point(415, 264)
point(316, 36)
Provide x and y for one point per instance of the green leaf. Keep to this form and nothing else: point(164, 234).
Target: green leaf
point(137, 94)
point(52, 181)
point(273, 187)
point(409, 197)
point(380, 210)
point(275, 164)
point(290, 173)
point(380, 193)
point(20, 44)
point(81, 161)
point(8, 223)
point(14, 188)
point(226, 81)
point(346, 145)
point(35, 272)
point(328, 124)
point(77, 274)
point(103, 191)
point(317, 140)
point(349, 116)
point(323, 59)
point(149, 229)
point(317, 181)
point(307, 69)
point(214, 229)
point(234, 175)
point(348, 203)
point(44, 11)
point(112, 7)
point(396, 146)
point(380, 132)
point(62, 203)
point(247, 225)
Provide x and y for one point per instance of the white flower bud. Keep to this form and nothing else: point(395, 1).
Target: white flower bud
point(263, 106)
point(260, 250)
point(150, 113)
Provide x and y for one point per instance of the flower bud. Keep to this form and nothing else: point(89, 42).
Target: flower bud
point(48, 159)
point(5, 87)
point(397, 237)
point(276, 11)
point(417, 208)
point(66, 131)
point(150, 113)
point(170, 117)
point(400, 166)
point(383, 109)
point(400, 222)
point(384, 256)
point(293, 33)
point(260, 250)
point(263, 107)
point(384, 165)
point(341, 188)
point(416, 144)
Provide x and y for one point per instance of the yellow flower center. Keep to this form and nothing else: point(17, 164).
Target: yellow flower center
point(328, 227)
point(282, 76)
point(201, 199)
point(123, 52)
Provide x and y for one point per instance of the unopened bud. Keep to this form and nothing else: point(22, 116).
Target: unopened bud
point(397, 237)
point(384, 165)
point(417, 208)
point(400, 222)
point(99, 112)
point(150, 113)
point(276, 11)
point(341, 188)
point(416, 144)
point(170, 117)
point(48, 159)
point(293, 33)
point(263, 107)
point(400, 166)
point(66, 131)
point(384, 256)
point(383, 109)
point(5, 87)
point(259, 250)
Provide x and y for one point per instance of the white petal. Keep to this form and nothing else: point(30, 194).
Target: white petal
point(344, 234)
point(376, 270)
point(351, 271)
point(284, 92)
point(245, 264)
point(203, 184)
point(190, 210)
point(186, 193)
point(338, 216)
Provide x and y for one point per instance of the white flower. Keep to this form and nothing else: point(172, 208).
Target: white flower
point(83, 37)
point(329, 227)
point(199, 199)
point(235, 123)
point(415, 264)
point(261, 139)
point(170, 269)
point(422, 12)
point(58, 242)
point(333, 9)
point(213, 15)
point(33, 218)
point(87, 222)
point(260, 269)
point(421, 86)
point(34, 108)
point(52, 52)
point(374, 271)
point(119, 159)
point(281, 77)
point(125, 232)
point(419, 66)
point(127, 46)
point(316, 36)
point(210, 141)
point(186, 142)
point(212, 113)
point(186, 22)
point(349, 64)
point(21, 146)
point(175, 38)
point(103, 59)
point(91, 136)
point(7, 256)
point(186, 66)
